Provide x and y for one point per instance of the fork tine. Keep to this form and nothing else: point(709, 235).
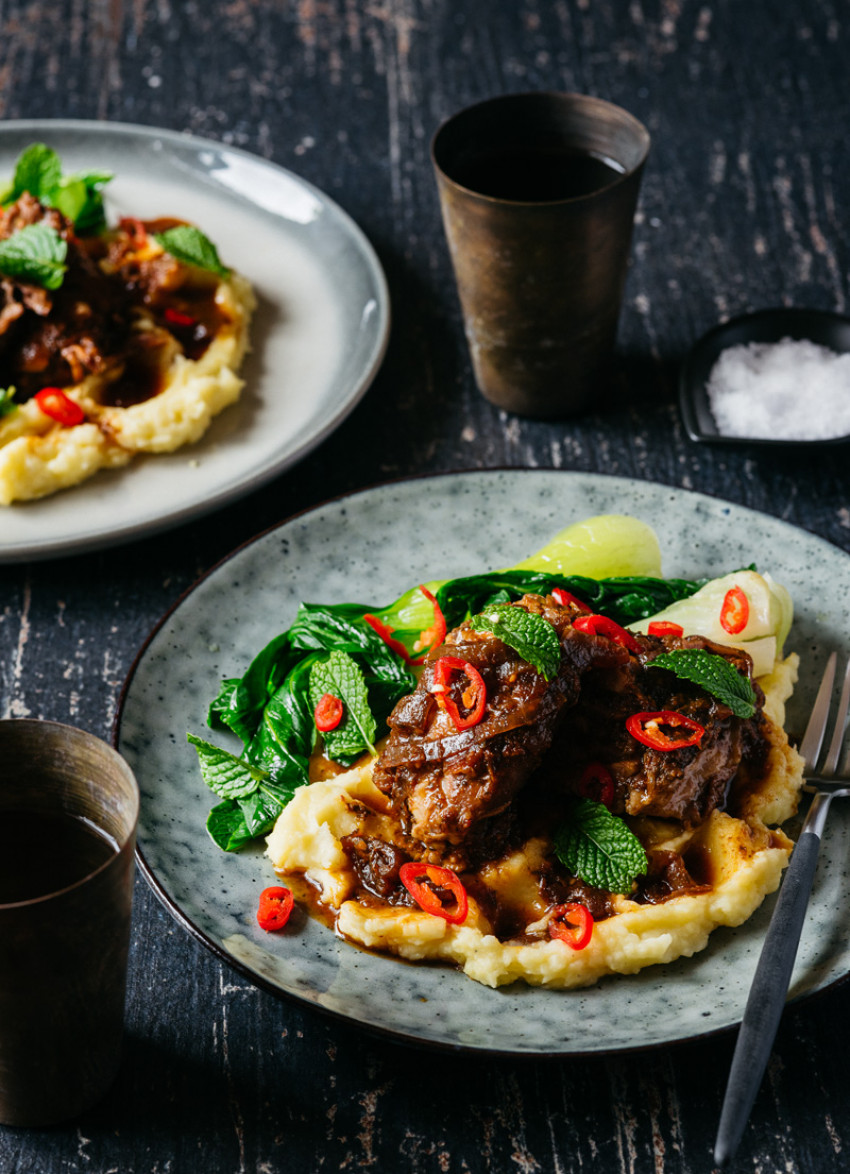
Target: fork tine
point(813, 738)
point(831, 764)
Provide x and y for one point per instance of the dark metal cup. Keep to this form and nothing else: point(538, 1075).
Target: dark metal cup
point(538, 194)
point(63, 955)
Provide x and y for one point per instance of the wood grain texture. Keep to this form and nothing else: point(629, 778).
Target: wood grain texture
point(744, 205)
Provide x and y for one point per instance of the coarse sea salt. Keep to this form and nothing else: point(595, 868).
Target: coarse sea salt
point(787, 390)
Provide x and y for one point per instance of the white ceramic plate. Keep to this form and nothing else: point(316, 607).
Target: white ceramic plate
point(371, 546)
point(318, 337)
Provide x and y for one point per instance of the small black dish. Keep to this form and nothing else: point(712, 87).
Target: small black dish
point(817, 326)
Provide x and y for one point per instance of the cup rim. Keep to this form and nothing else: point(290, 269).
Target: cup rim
point(589, 99)
point(122, 844)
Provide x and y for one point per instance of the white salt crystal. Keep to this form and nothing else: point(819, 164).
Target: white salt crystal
point(788, 390)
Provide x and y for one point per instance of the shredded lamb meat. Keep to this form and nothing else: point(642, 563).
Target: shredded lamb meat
point(86, 327)
point(57, 338)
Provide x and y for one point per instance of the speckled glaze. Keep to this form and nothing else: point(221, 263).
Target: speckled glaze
point(371, 546)
point(317, 337)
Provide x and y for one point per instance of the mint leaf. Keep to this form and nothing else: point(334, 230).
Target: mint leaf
point(527, 633)
point(599, 847)
point(7, 401)
point(713, 673)
point(229, 776)
point(188, 244)
point(78, 197)
point(38, 171)
point(341, 676)
point(35, 254)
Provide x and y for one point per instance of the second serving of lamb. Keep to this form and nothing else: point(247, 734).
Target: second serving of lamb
point(56, 338)
point(86, 327)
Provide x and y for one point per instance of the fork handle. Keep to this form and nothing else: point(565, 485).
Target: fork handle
point(767, 996)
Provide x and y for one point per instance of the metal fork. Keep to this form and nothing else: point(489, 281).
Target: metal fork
point(773, 973)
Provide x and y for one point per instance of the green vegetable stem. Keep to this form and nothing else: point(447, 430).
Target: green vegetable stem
point(7, 400)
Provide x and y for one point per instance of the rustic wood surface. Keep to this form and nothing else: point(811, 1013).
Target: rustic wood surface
point(745, 204)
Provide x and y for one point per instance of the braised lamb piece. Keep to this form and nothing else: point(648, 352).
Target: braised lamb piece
point(377, 865)
point(181, 296)
point(685, 784)
point(442, 782)
point(446, 787)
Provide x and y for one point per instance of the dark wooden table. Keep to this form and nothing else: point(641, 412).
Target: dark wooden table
point(745, 204)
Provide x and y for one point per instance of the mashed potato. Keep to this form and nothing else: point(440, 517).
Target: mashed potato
point(39, 456)
point(744, 856)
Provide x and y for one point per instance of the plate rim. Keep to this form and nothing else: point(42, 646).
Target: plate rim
point(395, 1035)
point(58, 547)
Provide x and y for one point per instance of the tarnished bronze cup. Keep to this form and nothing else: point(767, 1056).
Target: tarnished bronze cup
point(63, 953)
point(538, 194)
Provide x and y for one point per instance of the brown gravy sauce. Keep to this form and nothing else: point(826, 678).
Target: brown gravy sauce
point(670, 874)
point(135, 364)
point(544, 886)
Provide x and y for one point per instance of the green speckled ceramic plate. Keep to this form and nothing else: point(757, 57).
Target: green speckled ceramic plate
point(373, 545)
